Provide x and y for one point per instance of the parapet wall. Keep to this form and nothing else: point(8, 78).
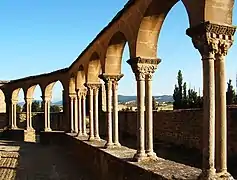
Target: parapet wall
point(179, 127)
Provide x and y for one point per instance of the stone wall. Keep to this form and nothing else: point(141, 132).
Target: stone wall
point(179, 127)
point(56, 121)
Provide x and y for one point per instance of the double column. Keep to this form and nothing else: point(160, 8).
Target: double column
point(13, 114)
point(73, 113)
point(213, 42)
point(93, 89)
point(46, 101)
point(143, 70)
point(28, 114)
point(111, 86)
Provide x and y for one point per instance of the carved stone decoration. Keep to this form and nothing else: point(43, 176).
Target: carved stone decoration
point(142, 67)
point(211, 39)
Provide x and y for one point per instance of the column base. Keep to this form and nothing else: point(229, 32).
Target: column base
point(224, 176)
point(47, 129)
point(97, 138)
point(84, 134)
point(208, 175)
point(140, 156)
point(152, 155)
point(30, 129)
point(117, 144)
point(13, 128)
point(79, 134)
point(109, 145)
point(91, 138)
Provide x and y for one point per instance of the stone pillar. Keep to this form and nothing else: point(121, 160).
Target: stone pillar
point(46, 101)
point(141, 68)
point(72, 113)
point(207, 38)
point(91, 116)
point(13, 114)
point(108, 86)
point(221, 117)
point(75, 103)
point(79, 95)
point(96, 111)
point(28, 114)
point(149, 111)
point(83, 97)
point(115, 110)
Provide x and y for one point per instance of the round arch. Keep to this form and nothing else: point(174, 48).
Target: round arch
point(150, 27)
point(2, 102)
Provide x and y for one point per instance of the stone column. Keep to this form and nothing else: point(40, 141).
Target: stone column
point(72, 113)
point(13, 114)
point(28, 114)
point(115, 110)
point(75, 101)
point(108, 86)
point(149, 111)
point(210, 39)
point(79, 112)
point(141, 68)
point(221, 117)
point(96, 111)
point(91, 116)
point(46, 101)
point(83, 96)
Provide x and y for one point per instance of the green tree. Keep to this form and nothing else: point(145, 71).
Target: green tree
point(35, 107)
point(178, 91)
point(184, 98)
point(230, 94)
point(18, 108)
point(54, 108)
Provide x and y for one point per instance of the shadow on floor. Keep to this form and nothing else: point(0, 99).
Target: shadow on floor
point(31, 161)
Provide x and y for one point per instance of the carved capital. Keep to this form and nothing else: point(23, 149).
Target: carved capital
point(83, 93)
point(143, 68)
point(72, 96)
point(14, 101)
point(110, 77)
point(28, 100)
point(212, 39)
point(93, 87)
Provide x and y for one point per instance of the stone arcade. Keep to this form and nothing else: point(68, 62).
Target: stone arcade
point(139, 24)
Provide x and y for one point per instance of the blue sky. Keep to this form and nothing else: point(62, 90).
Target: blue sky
point(42, 36)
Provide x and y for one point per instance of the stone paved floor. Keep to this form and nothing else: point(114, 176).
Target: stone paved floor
point(28, 161)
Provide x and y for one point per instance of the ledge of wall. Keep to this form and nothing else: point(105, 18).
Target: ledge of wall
point(116, 164)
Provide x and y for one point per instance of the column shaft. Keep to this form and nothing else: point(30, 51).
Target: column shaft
point(149, 119)
point(12, 116)
point(79, 116)
point(45, 115)
point(221, 121)
point(91, 128)
point(76, 114)
point(96, 116)
point(109, 113)
point(48, 113)
point(115, 113)
point(209, 116)
point(84, 115)
point(140, 119)
point(72, 115)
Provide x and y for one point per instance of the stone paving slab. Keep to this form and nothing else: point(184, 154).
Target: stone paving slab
point(28, 161)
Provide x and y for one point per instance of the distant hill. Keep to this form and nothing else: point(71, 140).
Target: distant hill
point(163, 98)
point(121, 99)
